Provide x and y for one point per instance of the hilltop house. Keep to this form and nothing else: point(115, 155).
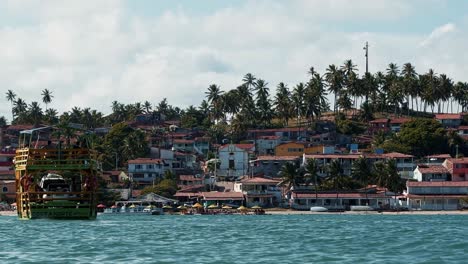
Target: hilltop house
point(449, 120)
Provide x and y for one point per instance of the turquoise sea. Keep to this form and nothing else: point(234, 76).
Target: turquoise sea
point(268, 239)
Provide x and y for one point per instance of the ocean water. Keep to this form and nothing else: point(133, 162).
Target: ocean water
point(268, 239)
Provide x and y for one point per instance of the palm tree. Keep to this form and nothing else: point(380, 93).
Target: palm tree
point(249, 80)
point(312, 169)
point(11, 96)
point(334, 79)
point(147, 106)
point(394, 182)
point(50, 116)
point(263, 102)
point(20, 109)
point(290, 175)
point(335, 171)
point(410, 83)
point(35, 113)
point(298, 100)
point(361, 172)
point(213, 96)
point(47, 97)
point(283, 103)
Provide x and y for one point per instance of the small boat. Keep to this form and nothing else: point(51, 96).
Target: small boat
point(133, 210)
point(318, 209)
point(361, 208)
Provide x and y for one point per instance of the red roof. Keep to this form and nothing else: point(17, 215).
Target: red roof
point(448, 116)
point(437, 184)
point(333, 156)
point(463, 128)
point(145, 161)
point(459, 160)
point(439, 156)
point(259, 180)
point(187, 194)
point(439, 169)
point(397, 155)
point(213, 196)
point(285, 129)
point(183, 141)
point(379, 121)
point(286, 158)
point(189, 178)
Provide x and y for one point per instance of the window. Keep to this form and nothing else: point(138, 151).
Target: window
point(138, 166)
point(5, 189)
point(231, 164)
point(149, 166)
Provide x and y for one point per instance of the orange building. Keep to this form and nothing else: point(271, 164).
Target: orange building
point(290, 149)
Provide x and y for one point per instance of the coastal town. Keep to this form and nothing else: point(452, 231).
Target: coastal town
point(238, 150)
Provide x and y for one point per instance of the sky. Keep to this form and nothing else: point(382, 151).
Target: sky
point(90, 53)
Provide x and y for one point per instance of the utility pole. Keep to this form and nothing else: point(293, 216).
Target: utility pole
point(366, 48)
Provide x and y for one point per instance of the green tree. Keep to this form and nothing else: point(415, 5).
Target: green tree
point(11, 96)
point(47, 97)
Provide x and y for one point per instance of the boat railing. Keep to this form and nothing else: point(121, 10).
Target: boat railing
point(61, 159)
point(55, 196)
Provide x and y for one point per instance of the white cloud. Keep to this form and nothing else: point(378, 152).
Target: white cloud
point(91, 53)
point(438, 33)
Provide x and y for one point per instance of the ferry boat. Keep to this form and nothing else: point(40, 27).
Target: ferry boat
point(54, 181)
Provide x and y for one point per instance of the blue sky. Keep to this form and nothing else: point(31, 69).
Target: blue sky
point(90, 53)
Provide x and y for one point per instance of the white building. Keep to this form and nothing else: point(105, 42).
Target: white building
point(234, 160)
point(146, 170)
point(259, 191)
point(436, 195)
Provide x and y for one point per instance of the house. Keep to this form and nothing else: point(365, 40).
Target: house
point(234, 160)
point(285, 134)
point(259, 191)
point(458, 168)
point(463, 132)
point(324, 161)
point(381, 124)
point(185, 145)
point(270, 166)
point(395, 123)
point(265, 145)
point(190, 180)
point(304, 200)
point(425, 172)
point(290, 149)
point(220, 198)
point(449, 120)
point(436, 195)
point(202, 145)
point(146, 170)
point(404, 162)
point(328, 138)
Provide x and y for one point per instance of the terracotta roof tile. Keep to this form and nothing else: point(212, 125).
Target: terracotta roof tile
point(437, 184)
point(437, 169)
point(285, 158)
point(259, 180)
point(448, 116)
point(145, 161)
